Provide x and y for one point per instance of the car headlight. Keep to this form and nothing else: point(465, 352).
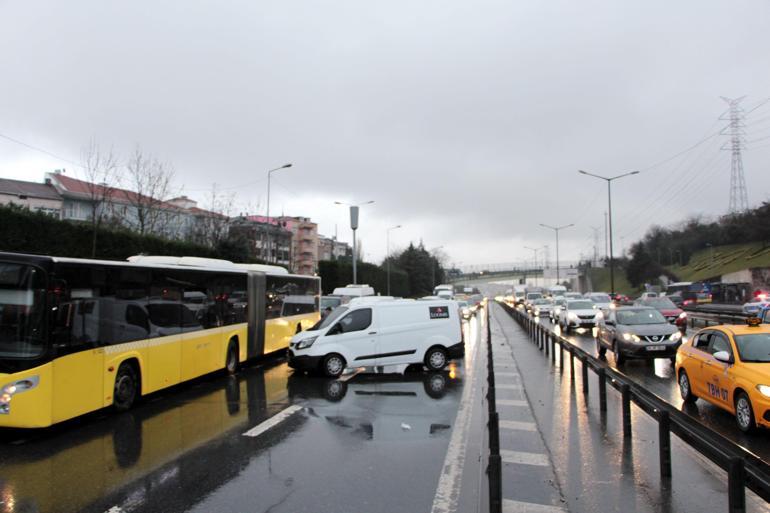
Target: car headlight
point(683, 315)
point(17, 387)
point(631, 337)
point(675, 336)
point(572, 316)
point(600, 315)
point(764, 390)
point(305, 343)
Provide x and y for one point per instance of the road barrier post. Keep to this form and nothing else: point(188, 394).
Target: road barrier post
point(494, 474)
point(553, 350)
point(602, 389)
point(561, 355)
point(494, 433)
point(626, 395)
point(572, 365)
point(664, 444)
point(545, 345)
point(584, 374)
point(736, 492)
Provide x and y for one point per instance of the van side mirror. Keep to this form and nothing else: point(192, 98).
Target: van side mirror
point(723, 356)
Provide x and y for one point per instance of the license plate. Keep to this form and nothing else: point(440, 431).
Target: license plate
point(656, 348)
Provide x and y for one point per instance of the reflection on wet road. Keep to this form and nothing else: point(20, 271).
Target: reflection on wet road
point(658, 377)
point(372, 443)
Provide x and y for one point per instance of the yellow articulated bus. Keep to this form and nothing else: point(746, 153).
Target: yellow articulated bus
point(79, 335)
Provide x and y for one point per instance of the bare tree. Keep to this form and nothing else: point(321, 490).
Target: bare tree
point(150, 181)
point(212, 224)
point(100, 167)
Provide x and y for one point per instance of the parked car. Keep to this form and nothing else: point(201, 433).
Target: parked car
point(670, 311)
point(383, 333)
point(637, 332)
point(578, 313)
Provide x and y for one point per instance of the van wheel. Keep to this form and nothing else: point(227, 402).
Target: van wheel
point(231, 364)
point(333, 365)
point(435, 358)
point(124, 395)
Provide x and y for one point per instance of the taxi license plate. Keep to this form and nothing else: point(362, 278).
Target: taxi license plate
point(656, 348)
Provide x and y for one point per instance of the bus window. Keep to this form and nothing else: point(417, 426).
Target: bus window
point(22, 300)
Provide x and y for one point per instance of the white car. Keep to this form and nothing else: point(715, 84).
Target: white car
point(542, 308)
point(755, 307)
point(578, 313)
point(379, 334)
point(600, 299)
point(558, 304)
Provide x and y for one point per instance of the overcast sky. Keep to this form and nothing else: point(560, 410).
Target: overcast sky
point(466, 122)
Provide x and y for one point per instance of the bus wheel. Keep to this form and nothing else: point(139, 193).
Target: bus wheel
point(231, 364)
point(125, 387)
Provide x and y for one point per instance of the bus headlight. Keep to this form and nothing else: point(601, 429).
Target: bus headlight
point(17, 387)
point(305, 343)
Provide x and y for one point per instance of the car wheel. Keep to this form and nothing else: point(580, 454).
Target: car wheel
point(333, 365)
point(435, 358)
point(124, 395)
point(619, 358)
point(685, 390)
point(600, 349)
point(744, 413)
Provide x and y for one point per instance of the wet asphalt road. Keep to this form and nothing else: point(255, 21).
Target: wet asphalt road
point(375, 442)
point(658, 377)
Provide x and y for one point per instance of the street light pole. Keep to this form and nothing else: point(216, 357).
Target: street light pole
point(387, 252)
point(609, 223)
point(269, 241)
point(556, 229)
point(354, 227)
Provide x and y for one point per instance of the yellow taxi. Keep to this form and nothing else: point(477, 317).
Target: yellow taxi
point(729, 366)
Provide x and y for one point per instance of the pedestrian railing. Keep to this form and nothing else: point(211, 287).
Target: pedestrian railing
point(495, 465)
point(744, 469)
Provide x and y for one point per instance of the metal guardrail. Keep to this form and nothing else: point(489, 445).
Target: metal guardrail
point(743, 468)
point(495, 466)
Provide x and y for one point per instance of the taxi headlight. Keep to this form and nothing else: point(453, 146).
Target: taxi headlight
point(630, 337)
point(675, 336)
point(764, 390)
point(305, 343)
point(17, 387)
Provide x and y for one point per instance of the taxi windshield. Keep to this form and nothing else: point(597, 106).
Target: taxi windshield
point(329, 319)
point(22, 299)
point(754, 348)
point(637, 317)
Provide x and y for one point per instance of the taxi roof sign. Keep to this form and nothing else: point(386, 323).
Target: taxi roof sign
point(753, 321)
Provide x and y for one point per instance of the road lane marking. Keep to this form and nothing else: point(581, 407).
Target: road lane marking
point(348, 377)
point(518, 425)
point(511, 402)
point(450, 482)
point(510, 506)
point(506, 375)
point(272, 421)
point(524, 458)
point(507, 387)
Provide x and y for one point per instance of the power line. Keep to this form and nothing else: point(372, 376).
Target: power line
point(41, 150)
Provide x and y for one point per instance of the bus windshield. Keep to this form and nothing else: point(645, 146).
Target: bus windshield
point(22, 311)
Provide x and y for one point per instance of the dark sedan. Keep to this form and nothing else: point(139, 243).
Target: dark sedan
point(637, 332)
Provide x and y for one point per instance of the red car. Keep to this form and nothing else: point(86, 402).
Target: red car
point(670, 311)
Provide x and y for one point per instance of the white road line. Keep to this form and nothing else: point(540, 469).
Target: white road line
point(450, 482)
point(115, 509)
point(272, 421)
point(511, 402)
point(507, 387)
point(510, 506)
point(518, 425)
point(506, 375)
point(348, 377)
point(524, 458)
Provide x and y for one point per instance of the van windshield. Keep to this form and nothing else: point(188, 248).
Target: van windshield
point(329, 319)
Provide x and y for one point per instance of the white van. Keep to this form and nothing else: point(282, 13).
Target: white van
point(557, 290)
point(350, 291)
point(383, 333)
